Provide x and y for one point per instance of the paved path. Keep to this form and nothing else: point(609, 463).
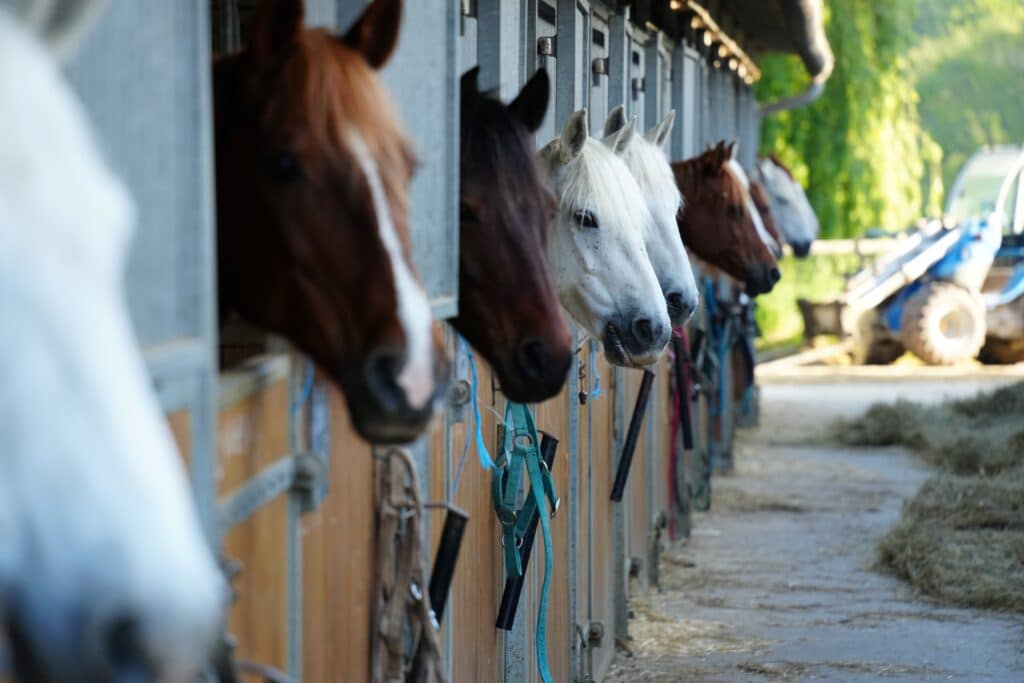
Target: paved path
point(777, 582)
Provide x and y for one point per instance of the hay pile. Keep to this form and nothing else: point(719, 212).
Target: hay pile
point(961, 538)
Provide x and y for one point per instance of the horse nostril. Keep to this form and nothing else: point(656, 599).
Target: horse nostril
point(774, 275)
point(533, 355)
point(679, 309)
point(382, 370)
point(801, 249)
point(643, 331)
point(125, 651)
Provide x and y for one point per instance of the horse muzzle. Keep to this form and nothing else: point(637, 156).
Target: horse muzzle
point(536, 371)
point(634, 342)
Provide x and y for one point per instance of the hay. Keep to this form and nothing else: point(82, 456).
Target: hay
point(979, 435)
point(961, 538)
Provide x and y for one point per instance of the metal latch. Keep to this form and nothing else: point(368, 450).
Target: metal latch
point(638, 84)
point(599, 66)
point(547, 46)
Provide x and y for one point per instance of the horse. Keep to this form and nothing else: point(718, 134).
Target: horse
point(718, 225)
point(596, 250)
point(764, 209)
point(313, 170)
point(646, 159)
point(105, 573)
point(771, 241)
point(508, 308)
point(790, 206)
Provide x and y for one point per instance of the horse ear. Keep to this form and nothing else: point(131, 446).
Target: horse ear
point(659, 134)
point(468, 84)
point(277, 27)
point(619, 140)
point(731, 149)
point(616, 120)
point(574, 135)
point(375, 33)
point(531, 104)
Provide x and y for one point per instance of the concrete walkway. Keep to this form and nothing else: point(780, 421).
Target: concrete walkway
point(778, 584)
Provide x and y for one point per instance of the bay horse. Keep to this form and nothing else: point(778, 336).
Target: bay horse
point(646, 159)
point(508, 308)
point(790, 206)
point(313, 170)
point(596, 246)
point(105, 573)
point(717, 224)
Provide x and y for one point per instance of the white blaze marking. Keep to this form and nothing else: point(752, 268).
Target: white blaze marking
point(416, 377)
point(755, 214)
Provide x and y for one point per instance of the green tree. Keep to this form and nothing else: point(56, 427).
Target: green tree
point(860, 149)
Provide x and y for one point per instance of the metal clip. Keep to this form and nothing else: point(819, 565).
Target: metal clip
point(599, 66)
point(637, 84)
point(547, 46)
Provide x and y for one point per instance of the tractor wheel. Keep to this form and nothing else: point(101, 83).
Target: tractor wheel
point(944, 324)
point(870, 346)
point(1002, 351)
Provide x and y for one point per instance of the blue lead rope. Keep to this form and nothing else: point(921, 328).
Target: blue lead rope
point(481, 447)
point(522, 448)
point(596, 391)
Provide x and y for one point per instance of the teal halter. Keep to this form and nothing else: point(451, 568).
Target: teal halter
point(522, 448)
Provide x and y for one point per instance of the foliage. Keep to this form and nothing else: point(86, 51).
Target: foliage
point(860, 149)
point(968, 67)
point(814, 278)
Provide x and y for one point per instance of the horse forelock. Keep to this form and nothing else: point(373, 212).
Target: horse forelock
point(774, 159)
point(650, 167)
point(599, 181)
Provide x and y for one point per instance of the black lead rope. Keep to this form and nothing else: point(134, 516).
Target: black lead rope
point(682, 365)
point(626, 459)
point(447, 557)
point(514, 586)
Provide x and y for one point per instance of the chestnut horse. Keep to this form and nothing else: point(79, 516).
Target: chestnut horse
point(313, 171)
point(717, 225)
point(508, 308)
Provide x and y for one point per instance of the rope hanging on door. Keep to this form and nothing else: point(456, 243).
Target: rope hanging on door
point(402, 613)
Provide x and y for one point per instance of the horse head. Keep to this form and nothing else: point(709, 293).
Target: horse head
point(645, 157)
point(719, 223)
point(793, 212)
point(105, 573)
point(596, 248)
point(313, 171)
point(508, 309)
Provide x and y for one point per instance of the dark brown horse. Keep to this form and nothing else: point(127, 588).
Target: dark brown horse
point(313, 170)
point(716, 224)
point(508, 308)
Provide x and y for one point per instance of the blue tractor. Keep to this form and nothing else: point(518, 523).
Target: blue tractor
point(951, 291)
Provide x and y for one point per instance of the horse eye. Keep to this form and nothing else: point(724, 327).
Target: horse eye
point(284, 167)
point(585, 219)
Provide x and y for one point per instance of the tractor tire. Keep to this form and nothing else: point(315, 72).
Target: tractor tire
point(871, 346)
point(944, 324)
point(1002, 351)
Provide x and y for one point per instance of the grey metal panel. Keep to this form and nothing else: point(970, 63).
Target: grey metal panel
point(637, 56)
point(322, 13)
point(540, 28)
point(685, 88)
point(618, 60)
point(422, 78)
point(501, 46)
point(599, 40)
point(657, 81)
point(144, 78)
point(467, 42)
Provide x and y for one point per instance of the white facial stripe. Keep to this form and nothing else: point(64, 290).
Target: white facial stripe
point(762, 232)
point(416, 377)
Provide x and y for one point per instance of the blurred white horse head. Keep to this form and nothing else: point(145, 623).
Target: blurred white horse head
point(792, 211)
point(104, 570)
point(645, 157)
point(596, 246)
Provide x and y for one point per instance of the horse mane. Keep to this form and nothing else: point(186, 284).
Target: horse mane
point(599, 181)
point(344, 97)
point(495, 138)
point(651, 168)
point(782, 167)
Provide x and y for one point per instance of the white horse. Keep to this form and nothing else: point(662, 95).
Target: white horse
point(104, 571)
point(792, 211)
point(645, 157)
point(596, 248)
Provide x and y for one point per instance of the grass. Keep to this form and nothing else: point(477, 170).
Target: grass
point(961, 538)
point(814, 278)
